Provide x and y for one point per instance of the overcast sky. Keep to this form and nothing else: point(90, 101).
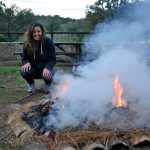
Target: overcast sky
point(64, 8)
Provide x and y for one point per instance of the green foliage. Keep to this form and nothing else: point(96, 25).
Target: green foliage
point(20, 80)
point(15, 19)
point(68, 38)
point(3, 25)
point(23, 18)
point(12, 73)
point(3, 38)
point(9, 70)
point(106, 10)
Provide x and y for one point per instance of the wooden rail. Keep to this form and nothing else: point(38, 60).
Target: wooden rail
point(74, 56)
point(52, 33)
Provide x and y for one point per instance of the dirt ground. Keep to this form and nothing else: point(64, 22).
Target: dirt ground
point(13, 91)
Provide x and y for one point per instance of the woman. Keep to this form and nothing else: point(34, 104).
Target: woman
point(38, 57)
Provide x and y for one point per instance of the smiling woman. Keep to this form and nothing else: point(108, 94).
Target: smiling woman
point(38, 57)
point(64, 8)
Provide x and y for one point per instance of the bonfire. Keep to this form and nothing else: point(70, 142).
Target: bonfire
point(106, 135)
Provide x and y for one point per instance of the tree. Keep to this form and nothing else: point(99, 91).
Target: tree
point(96, 13)
point(23, 18)
point(2, 16)
point(107, 10)
point(15, 19)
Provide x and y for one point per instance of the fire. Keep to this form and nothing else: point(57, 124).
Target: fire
point(61, 90)
point(65, 86)
point(118, 98)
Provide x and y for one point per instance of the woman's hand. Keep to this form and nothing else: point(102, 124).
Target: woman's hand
point(47, 74)
point(26, 67)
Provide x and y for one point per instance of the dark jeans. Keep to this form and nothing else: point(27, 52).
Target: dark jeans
point(34, 73)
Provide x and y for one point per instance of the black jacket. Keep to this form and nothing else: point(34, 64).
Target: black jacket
point(44, 56)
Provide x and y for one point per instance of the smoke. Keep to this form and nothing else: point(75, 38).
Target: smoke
point(119, 47)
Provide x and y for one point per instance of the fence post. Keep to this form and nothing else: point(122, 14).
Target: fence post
point(9, 34)
point(52, 34)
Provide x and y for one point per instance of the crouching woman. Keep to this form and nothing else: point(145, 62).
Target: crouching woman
point(38, 57)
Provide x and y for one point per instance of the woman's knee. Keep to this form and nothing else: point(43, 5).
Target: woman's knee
point(47, 81)
point(26, 73)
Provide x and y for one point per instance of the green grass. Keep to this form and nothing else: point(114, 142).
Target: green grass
point(9, 69)
point(11, 84)
point(9, 74)
point(20, 80)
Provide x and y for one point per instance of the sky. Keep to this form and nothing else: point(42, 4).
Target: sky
point(64, 8)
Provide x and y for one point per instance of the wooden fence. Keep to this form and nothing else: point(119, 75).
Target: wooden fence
point(67, 53)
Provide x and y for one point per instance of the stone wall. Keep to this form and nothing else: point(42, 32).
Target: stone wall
point(7, 50)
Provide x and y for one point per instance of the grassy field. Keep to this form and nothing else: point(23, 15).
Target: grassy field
point(11, 84)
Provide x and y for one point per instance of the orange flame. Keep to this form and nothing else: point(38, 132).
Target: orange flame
point(118, 99)
point(65, 86)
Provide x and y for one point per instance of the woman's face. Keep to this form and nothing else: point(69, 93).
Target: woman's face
point(37, 33)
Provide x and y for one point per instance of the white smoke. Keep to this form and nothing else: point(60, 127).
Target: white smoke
point(120, 48)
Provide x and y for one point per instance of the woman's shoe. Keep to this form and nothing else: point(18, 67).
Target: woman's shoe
point(31, 88)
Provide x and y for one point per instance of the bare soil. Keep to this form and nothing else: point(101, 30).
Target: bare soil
point(13, 90)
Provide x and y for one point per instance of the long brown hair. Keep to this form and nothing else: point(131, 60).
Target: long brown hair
point(29, 41)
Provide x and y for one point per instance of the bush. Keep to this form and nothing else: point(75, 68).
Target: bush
point(3, 38)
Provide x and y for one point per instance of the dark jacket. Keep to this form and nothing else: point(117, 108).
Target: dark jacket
point(44, 56)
